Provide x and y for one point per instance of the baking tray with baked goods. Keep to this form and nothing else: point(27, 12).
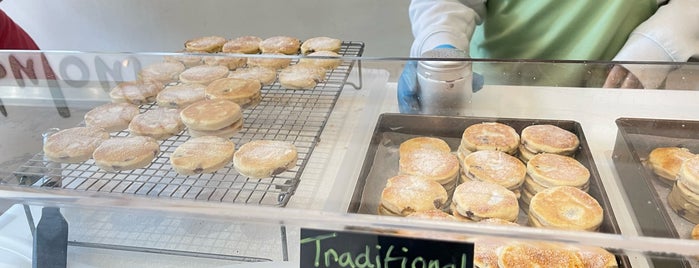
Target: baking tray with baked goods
point(648, 157)
point(289, 108)
point(385, 158)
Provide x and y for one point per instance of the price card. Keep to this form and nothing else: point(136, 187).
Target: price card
point(321, 248)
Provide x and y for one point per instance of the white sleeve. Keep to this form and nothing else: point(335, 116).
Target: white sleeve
point(444, 22)
point(671, 34)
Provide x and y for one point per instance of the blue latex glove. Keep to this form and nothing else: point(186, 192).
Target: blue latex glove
point(408, 87)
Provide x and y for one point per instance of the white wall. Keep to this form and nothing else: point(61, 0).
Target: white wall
point(164, 25)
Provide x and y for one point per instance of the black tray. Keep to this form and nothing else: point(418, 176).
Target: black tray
point(646, 193)
point(381, 160)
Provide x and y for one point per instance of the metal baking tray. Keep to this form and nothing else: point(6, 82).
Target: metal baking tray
point(296, 116)
point(647, 195)
point(381, 161)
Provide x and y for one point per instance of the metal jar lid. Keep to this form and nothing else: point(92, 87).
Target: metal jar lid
point(444, 70)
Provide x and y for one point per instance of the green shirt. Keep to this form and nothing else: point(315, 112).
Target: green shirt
point(555, 30)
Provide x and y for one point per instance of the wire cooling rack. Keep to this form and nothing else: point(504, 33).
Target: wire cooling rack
point(296, 116)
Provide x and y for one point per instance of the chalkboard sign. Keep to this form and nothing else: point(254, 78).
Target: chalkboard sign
point(321, 248)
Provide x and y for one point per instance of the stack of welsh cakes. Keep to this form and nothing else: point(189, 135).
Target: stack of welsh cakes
point(500, 171)
point(486, 153)
point(545, 168)
point(428, 172)
point(684, 196)
point(429, 158)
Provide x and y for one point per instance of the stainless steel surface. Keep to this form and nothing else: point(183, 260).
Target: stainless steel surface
point(296, 116)
point(381, 160)
point(647, 192)
point(444, 86)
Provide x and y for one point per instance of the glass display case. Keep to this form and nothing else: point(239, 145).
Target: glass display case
point(347, 132)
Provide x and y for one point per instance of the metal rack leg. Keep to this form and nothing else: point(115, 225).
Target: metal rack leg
point(30, 219)
point(359, 74)
point(50, 248)
point(285, 247)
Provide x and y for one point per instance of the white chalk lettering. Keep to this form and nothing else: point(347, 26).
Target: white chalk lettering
point(392, 257)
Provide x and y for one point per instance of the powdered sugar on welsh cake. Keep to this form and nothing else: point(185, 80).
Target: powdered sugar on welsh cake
point(244, 44)
point(431, 163)
point(321, 43)
point(265, 158)
point(422, 143)
point(202, 155)
point(490, 136)
point(406, 194)
point(209, 44)
point(301, 76)
point(126, 153)
point(136, 92)
point(494, 166)
point(270, 60)
point(280, 44)
point(565, 207)
point(111, 116)
point(549, 139)
point(244, 92)
point(211, 114)
point(203, 74)
point(159, 124)
point(180, 96)
point(74, 145)
point(227, 61)
point(264, 75)
point(477, 200)
point(164, 72)
point(330, 60)
point(226, 132)
point(557, 170)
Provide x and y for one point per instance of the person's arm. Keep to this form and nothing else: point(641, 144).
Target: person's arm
point(446, 24)
point(442, 22)
point(671, 34)
point(12, 36)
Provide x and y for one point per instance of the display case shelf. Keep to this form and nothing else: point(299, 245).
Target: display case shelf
point(318, 192)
